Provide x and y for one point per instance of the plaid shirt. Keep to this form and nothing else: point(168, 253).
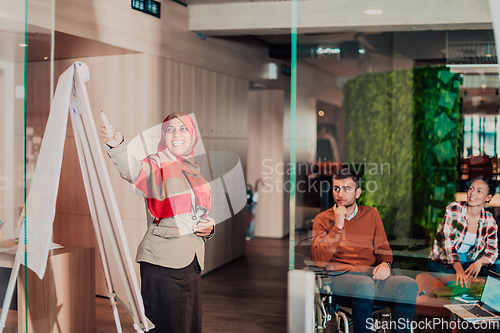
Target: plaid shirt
point(452, 231)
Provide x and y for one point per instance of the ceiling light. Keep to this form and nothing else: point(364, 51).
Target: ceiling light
point(361, 51)
point(45, 58)
point(23, 45)
point(373, 11)
point(259, 85)
point(321, 113)
point(471, 65)
point(272, 71)
point(327, 50)
point(473, 68)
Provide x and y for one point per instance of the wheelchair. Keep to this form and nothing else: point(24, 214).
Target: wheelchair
point(328, 307)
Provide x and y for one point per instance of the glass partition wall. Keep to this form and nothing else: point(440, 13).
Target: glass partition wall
point(25, 81)
point(13, 62)
point(13, 37)
point(411, 107)
point(413, 111)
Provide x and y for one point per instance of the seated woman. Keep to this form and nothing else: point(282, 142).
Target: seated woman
point(466, 240)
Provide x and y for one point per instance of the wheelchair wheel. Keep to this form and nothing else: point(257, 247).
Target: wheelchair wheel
point(319, 315)
point(342, 323)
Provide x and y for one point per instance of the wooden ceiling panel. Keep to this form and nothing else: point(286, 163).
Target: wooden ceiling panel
point(69, 46)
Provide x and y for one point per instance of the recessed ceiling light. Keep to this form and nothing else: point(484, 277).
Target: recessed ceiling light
point(327, 50)
point(23, 45)
point(321, 113)
point(259, 85)
point(373, 11)
point(488, 52)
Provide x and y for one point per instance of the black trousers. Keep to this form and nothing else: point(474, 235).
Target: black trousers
point(172, 297)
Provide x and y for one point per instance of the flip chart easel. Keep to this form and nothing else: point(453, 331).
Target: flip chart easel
point(119, 271)
point(117, 263)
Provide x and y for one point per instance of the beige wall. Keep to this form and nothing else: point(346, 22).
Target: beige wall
point(265, 153)
point(10, 190)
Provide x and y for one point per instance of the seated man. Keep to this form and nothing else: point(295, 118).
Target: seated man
point(350, 241)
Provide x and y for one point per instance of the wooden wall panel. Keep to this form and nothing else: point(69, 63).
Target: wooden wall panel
point(265, 148)
point(220, 252)
point(230, 106)
point(188, 88)
point(173, 75)
point(201, 100)
point(154, 99)
point(241, 103)
point(223, 122)
point(211, 99)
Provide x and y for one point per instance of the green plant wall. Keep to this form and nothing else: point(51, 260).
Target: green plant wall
point(403, 127)
point(437, 131)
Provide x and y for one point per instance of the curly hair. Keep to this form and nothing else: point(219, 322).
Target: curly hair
point(492, 185)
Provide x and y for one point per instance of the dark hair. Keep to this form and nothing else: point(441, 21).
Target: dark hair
point(348, 173)
point(492, 186)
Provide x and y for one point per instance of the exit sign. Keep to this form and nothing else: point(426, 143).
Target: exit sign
point(286, 70)
point(150, 7)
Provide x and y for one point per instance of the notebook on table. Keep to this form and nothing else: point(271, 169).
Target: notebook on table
point(488, 307)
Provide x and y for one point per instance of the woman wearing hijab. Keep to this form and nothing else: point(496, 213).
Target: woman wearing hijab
point(178, 200)
point(466, 241)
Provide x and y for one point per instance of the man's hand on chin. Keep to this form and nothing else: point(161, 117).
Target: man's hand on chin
point(382, 271)
point(340, 214)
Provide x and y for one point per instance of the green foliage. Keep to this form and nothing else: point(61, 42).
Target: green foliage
point(399, 125)
point(434, 177)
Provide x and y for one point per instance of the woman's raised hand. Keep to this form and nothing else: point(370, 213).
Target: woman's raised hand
point(112, 141)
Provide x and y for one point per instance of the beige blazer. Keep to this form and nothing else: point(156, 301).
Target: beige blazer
point(172, 242)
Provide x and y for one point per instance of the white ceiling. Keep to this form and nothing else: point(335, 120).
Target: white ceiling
point(320, 16)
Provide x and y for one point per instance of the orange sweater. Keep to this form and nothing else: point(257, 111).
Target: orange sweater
point(360, 245)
